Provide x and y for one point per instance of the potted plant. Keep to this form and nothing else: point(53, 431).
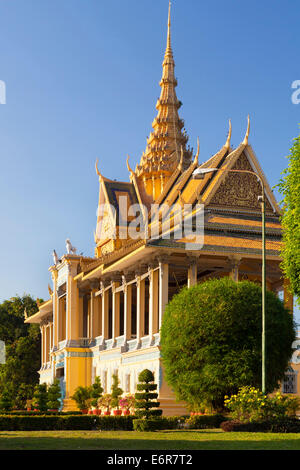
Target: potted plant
point(28, 405)
point(116, 393)
point(127, 403)
point(96, 393)
point(105, 402)
point(146, 404)
point(54, 395)
point(40, 397)
point(82, 397)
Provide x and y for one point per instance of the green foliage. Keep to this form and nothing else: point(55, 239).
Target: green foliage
point(250, 404)
point(40, 397)
point(24, 395)
point(68, 422)
point(40, 413)
point(5, 400)
point(19, 373)
point(217, 348)
point(158, 423)
point(82, 397)
point(115, 423)
point(54, 395)
point(282, 425)
point(146, 403)
point(12, 326)
point(289, 187)
point(205, 421)
point(96, 392)
point(116, 392)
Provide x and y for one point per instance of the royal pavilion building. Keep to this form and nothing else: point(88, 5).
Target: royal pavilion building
point(104, 313)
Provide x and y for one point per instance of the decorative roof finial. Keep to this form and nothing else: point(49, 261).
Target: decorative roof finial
point(198, 151)
point(180, 164)
point(227, 145)
point(97, 170)
point(245, 142)
point(128, 166)
point(169, 48)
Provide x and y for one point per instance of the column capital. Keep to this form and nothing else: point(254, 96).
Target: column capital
point(105, 282)
point(163, 258)
point(128, 275)
point(94, 284)
point(192, 259)
point(116, 276)
point(141, 269)
point(234, 261)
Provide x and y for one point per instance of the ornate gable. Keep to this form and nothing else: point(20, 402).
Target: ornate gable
point(240, 190)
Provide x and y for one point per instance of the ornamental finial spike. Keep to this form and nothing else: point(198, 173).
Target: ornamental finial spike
point(247, 133)
point(97, 169)
point(227, 145)
point(198, 151)
point(128, 166)
point(181, 159)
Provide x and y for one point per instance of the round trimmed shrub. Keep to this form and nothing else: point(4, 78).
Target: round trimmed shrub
point(211, 341)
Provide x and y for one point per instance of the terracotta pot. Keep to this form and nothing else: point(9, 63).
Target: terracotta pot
point(90, 412)
point(126, 412)
point(84, 412)
point(55, 411)
point(28, 409)
point(95, 412)
point(117, 412)
point(106, 413)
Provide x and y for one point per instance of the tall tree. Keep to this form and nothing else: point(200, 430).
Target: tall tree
point(211, 340)
point(289, 187)
point(19, 374)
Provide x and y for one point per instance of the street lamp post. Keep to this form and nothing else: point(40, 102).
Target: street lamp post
point(200, 173)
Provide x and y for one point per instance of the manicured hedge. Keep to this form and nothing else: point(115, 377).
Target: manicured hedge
point(39, 413)
point(70, 422)
point(158, 423)
point(285, 425)
point(205, 421)
point(114, 423)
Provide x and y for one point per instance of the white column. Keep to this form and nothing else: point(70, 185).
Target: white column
point(163, 288)
point(127, 311)
point(42, 345)
point(138, 308)
point(192, 274)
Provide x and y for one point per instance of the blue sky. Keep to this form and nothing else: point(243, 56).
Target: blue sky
point(82, 82)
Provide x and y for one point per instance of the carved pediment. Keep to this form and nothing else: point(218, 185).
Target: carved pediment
point(240, 189)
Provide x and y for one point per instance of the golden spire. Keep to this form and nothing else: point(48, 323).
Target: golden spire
point(169, 48)
point(161, 156)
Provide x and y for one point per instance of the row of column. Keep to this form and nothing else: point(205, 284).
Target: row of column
point(46, 342)
point(99, 312)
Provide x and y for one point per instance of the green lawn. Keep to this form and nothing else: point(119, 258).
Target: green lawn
point(213, 439)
